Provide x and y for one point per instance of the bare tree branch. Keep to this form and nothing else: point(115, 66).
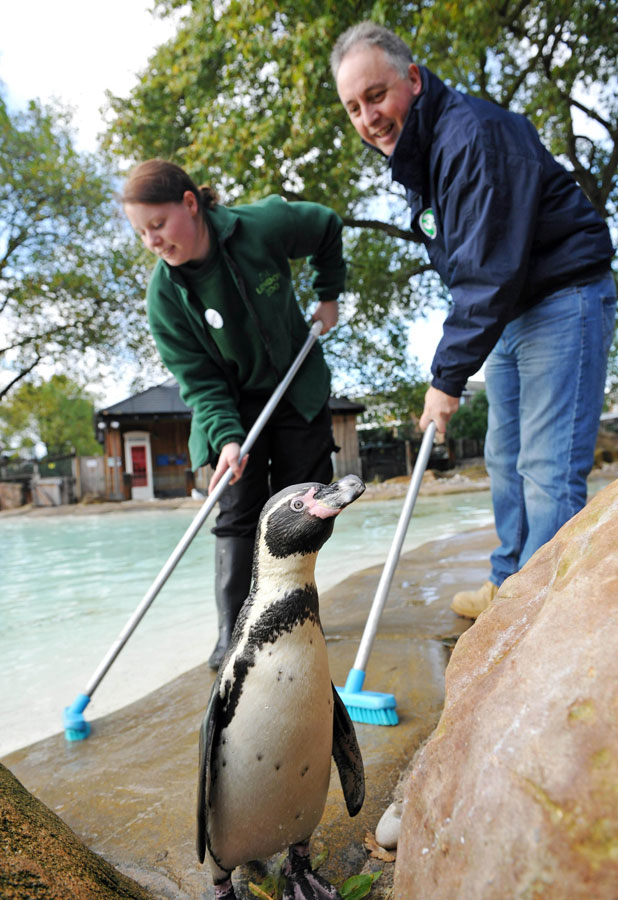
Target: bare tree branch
point(377, 225)
point(5, 390)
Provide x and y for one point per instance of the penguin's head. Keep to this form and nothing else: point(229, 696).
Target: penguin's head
point(300, 518)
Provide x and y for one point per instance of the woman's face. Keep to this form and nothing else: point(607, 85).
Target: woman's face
point(174, 231)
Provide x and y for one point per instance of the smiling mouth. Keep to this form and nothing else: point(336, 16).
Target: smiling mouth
point(383, 132)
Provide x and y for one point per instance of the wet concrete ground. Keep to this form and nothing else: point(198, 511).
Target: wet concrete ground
point(128, 791)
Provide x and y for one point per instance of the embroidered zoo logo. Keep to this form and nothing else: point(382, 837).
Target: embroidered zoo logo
point(427, 223)
point(268, 284)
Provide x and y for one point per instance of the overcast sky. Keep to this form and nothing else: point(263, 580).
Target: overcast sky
point(74, 50)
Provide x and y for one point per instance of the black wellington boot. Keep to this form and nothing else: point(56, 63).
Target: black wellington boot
point(233, 560)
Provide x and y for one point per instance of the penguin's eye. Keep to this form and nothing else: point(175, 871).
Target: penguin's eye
point(297, 504)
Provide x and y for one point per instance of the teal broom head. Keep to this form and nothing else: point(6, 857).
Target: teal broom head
point(76, 728)
point(369, 707)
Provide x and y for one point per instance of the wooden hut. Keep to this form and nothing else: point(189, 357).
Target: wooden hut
point(146, 436)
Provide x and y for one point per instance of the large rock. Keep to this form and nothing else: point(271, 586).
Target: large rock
point(41, 858)
point(515, 795)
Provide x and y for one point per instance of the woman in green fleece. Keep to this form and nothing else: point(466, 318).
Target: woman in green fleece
point(224, 317)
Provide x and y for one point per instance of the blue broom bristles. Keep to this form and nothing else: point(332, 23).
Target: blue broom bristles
point(370, 707)
point(372, 716)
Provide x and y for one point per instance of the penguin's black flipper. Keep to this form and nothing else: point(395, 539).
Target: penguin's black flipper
point(347, 756)
point(203, 782)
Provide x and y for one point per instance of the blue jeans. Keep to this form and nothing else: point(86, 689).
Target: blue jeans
point(545, 380)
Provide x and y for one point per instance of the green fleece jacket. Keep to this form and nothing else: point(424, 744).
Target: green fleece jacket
point(256, 242)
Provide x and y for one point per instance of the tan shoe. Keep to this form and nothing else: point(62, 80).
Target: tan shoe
point(472, 603)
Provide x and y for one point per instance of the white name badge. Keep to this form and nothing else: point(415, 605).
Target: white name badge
point(213, 318)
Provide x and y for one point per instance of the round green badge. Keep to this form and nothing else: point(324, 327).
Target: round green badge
point(427, 223)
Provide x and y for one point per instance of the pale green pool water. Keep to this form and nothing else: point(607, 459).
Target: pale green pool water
point(68, 585)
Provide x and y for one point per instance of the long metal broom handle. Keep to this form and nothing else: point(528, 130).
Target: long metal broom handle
point(198, 521)
point(392, 559)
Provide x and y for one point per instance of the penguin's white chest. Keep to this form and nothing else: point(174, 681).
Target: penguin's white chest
point(271, 768)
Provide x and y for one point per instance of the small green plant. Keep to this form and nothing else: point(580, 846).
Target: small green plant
point(358, 886)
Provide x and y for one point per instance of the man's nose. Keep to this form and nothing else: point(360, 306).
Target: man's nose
point(369, 114)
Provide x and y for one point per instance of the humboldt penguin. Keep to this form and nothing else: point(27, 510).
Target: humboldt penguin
point(274, 718)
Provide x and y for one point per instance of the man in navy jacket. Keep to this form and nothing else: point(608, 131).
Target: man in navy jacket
point(527, 262)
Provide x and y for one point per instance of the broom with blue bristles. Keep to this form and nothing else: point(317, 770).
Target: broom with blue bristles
point(372, 707)
point(76, 728)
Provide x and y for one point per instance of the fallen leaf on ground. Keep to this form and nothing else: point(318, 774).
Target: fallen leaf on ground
point(377, 852)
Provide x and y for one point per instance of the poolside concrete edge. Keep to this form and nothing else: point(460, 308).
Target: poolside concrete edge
point(128, 791)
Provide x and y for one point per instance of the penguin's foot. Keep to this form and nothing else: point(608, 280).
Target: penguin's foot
point(224, 890)
point(302, 882)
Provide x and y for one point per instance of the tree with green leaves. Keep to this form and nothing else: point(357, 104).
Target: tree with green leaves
point(470, 420)
point(243, 98)
point(243, 95)
point(58, 413)
point(71, 294)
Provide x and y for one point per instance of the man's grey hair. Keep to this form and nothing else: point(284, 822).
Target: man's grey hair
point(369, 34)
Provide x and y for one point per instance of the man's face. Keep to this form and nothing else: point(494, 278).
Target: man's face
point(376, 97)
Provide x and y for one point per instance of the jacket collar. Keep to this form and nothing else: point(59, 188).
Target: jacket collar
point(223, 220)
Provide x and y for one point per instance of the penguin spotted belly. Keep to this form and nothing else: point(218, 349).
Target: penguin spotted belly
point(274, 718)
point(272, 771)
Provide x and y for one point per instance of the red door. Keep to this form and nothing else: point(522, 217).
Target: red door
point(138, 462)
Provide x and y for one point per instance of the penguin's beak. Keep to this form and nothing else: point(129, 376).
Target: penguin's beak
point(329, 499)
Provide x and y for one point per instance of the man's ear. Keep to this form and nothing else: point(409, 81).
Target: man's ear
point(414, 75)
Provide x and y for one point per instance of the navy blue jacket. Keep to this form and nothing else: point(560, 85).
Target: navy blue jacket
point(510, 225)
